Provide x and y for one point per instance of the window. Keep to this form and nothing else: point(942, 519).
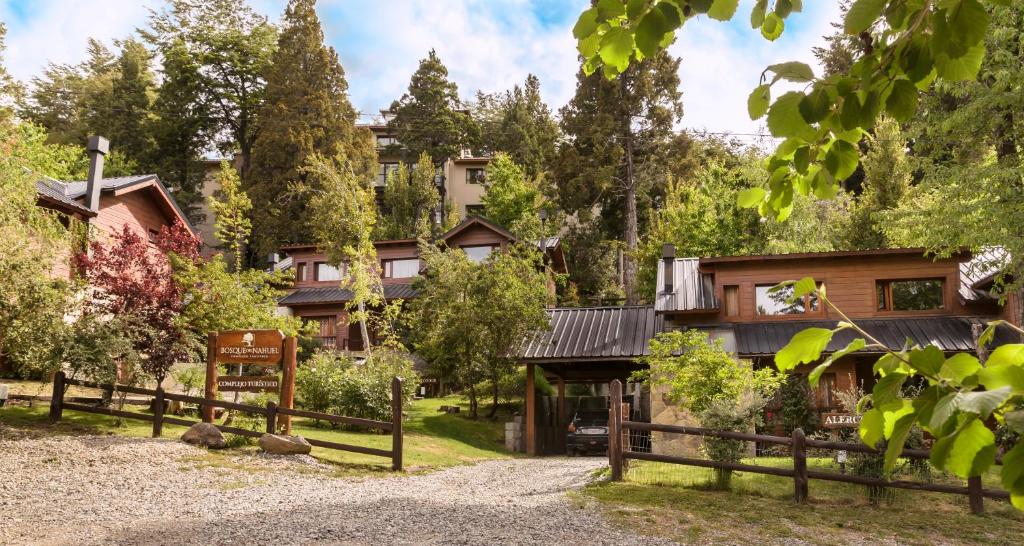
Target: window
point(385, 141)
point(327, 272)
point(326, 330)
point(909, 295)
point(477, 210)
point(401, 269)
point(478, 253)
point(300, 271)
point(732, 300)
point(826, 391)
point(777, 302)
point(386, 168)
point(153, 235)
point(475, 176)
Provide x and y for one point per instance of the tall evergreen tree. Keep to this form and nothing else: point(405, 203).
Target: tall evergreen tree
point(430, 117)
point(520, 124)
point(306, 113)
point(126, 117)
point(887, 178)
point(230, 46)
point(410, 200)
point(615, 129)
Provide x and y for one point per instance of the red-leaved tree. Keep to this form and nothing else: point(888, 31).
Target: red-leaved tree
point(131, 279)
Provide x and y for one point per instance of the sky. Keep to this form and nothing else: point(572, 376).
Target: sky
point(487, 45)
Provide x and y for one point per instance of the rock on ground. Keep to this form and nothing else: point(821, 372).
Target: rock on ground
point(115, 490)
point(279, 444)
point(204, 434)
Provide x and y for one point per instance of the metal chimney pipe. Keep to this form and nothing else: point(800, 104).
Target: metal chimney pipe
point(98, 147)
point(668, 257)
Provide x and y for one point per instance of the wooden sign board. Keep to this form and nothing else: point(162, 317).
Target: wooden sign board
point(248, 383)
point(261, 347)
point(840, 420)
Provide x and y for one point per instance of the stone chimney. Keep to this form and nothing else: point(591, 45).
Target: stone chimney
point(668, 257)
point(97, 149)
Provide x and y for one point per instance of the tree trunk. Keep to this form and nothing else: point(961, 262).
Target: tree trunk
point(629, 259)
point(472, 400)
point(494, 402)
point(364, 330)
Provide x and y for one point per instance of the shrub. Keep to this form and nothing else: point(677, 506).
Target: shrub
point(318, 381)
point(797, 408)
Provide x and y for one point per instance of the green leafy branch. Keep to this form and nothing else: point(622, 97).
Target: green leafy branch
point(906, 45)
point(962, 393)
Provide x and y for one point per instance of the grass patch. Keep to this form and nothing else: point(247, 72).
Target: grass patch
point(432, 439)
point(674, 501)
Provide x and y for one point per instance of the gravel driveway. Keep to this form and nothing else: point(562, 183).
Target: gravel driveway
point(107, 489)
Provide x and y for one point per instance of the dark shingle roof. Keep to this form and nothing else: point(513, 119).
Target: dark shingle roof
point(55, 191)
point(981, 268)
point(76, 189)
point(335, 294)
point(951, 334)
point(692, 290)
point(593, 333)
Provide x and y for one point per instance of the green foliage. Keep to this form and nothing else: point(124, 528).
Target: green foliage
point(797, 405)
point(191, 378)
point(958, 395)
point(409, 202)
point(216, 299)
point(519, 124)
point(887, 178)
point(511, 199)
point(102, 350)
point(430, 118)
point(232, 225)
point(305, 112)
point(332, 383)
point(469, 318)
point(903, 47)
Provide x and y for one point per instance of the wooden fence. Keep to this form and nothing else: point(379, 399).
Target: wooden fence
point(271, 412)
point(619, 454)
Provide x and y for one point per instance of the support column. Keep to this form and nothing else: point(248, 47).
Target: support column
point(560, 415)
point(531, 411)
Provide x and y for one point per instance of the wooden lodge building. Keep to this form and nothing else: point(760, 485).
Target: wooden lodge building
point(318, 297)
point(895, 294)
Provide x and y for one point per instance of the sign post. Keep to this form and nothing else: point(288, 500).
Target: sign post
point(263, 348)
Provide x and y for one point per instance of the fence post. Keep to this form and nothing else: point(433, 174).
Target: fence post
point(396, 424)
point(800, 465)
point(158, 412)
point(974, 495)
point(271, 417)
point(615, 431)
point(57, 400)
point(210, 392)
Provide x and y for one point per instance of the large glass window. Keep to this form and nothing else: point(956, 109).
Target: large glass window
point(909, 295)
point(475, 176)
point(401, 269)
point(385, 170)
point(385, 141)
point(478, 254)
point(327, 272)
point(772, 302)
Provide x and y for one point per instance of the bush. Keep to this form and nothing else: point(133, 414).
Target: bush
point(797, 407)
point(333, 383)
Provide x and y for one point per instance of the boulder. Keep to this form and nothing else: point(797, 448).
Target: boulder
point(204, 434)
point(279, 444)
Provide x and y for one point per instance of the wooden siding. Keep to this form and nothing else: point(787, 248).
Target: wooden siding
point(136, 210)
point(850, 282)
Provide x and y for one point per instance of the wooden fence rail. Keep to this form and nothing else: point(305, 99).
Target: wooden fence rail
point(271, 412)
point(618, 456)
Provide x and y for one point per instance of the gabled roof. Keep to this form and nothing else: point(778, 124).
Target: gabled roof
point(977, 275)
point(593, 334)
point(474, 220)
point(964, 255)
point(69, 193)
point(691, 289)
point(52, 192)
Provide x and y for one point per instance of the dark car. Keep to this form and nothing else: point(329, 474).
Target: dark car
point(588, 432)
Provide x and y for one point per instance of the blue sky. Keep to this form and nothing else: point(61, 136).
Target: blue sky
point(486, 44)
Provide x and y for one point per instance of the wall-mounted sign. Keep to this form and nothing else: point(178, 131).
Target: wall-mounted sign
point(840, 420)
point(248, 383)
point(250, 347)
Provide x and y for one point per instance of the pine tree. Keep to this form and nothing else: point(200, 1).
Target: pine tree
point(306, 113)
point(519, 124)
point(410, 199)
point(887, 178)
point(616, 131)
point(430, 117)
point(231, 207)
point(125, 117)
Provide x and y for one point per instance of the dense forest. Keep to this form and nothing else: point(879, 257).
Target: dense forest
point(611, 171)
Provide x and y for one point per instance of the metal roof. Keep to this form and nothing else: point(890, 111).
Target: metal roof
point(68, 193)
point(692, 290)
point(951, 334)
point(336, 294)
point(55, 191)
point(593, 333)
point(979, 270)
point(77, 188)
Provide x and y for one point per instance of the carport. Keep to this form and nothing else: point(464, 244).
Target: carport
point(584, 345)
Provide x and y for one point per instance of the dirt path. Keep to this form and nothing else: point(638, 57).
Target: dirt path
point(112, 490)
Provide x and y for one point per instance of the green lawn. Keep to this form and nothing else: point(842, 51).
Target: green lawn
point(432, 439)
point(675, 501)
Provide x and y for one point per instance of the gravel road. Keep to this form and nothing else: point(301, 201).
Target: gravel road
point(115, 490)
